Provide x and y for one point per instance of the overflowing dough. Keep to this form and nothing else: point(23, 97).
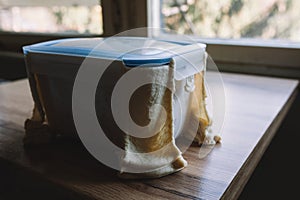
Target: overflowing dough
point(153, 156)
point(159, 155)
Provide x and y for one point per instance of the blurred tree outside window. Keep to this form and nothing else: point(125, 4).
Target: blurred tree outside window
point(74, 17)
point(234, 19)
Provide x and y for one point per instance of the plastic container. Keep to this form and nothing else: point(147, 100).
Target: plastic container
point(52, 67)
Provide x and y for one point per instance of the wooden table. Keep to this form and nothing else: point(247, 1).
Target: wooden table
point(255, 107)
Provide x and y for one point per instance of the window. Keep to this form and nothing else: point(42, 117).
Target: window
point(251, 36)
point(265, 42)
point(51, 16)
point(32, 21)
point(234, 19)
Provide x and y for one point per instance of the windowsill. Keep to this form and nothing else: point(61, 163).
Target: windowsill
point(247, 56)
point(13, 41)
point(255, 107)
point(247, 42)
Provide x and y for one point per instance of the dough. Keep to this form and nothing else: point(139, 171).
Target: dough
point(150, 157)
point(159, 155)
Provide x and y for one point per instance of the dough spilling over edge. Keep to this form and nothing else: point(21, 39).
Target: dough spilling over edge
point(151, 157)
point(165, 157)
point(157, 155)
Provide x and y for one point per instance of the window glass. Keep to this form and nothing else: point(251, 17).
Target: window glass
point(234, 19)
point(48, 18)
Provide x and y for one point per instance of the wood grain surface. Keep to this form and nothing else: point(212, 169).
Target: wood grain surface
point(255, 107)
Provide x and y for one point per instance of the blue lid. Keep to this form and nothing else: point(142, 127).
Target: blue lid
point(133, 51)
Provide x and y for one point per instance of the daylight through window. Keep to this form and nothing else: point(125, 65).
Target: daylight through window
point(42, 17)
point(234, 19)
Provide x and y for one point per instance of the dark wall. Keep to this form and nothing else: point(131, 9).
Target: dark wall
point(276, 176)
point(12, 67)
